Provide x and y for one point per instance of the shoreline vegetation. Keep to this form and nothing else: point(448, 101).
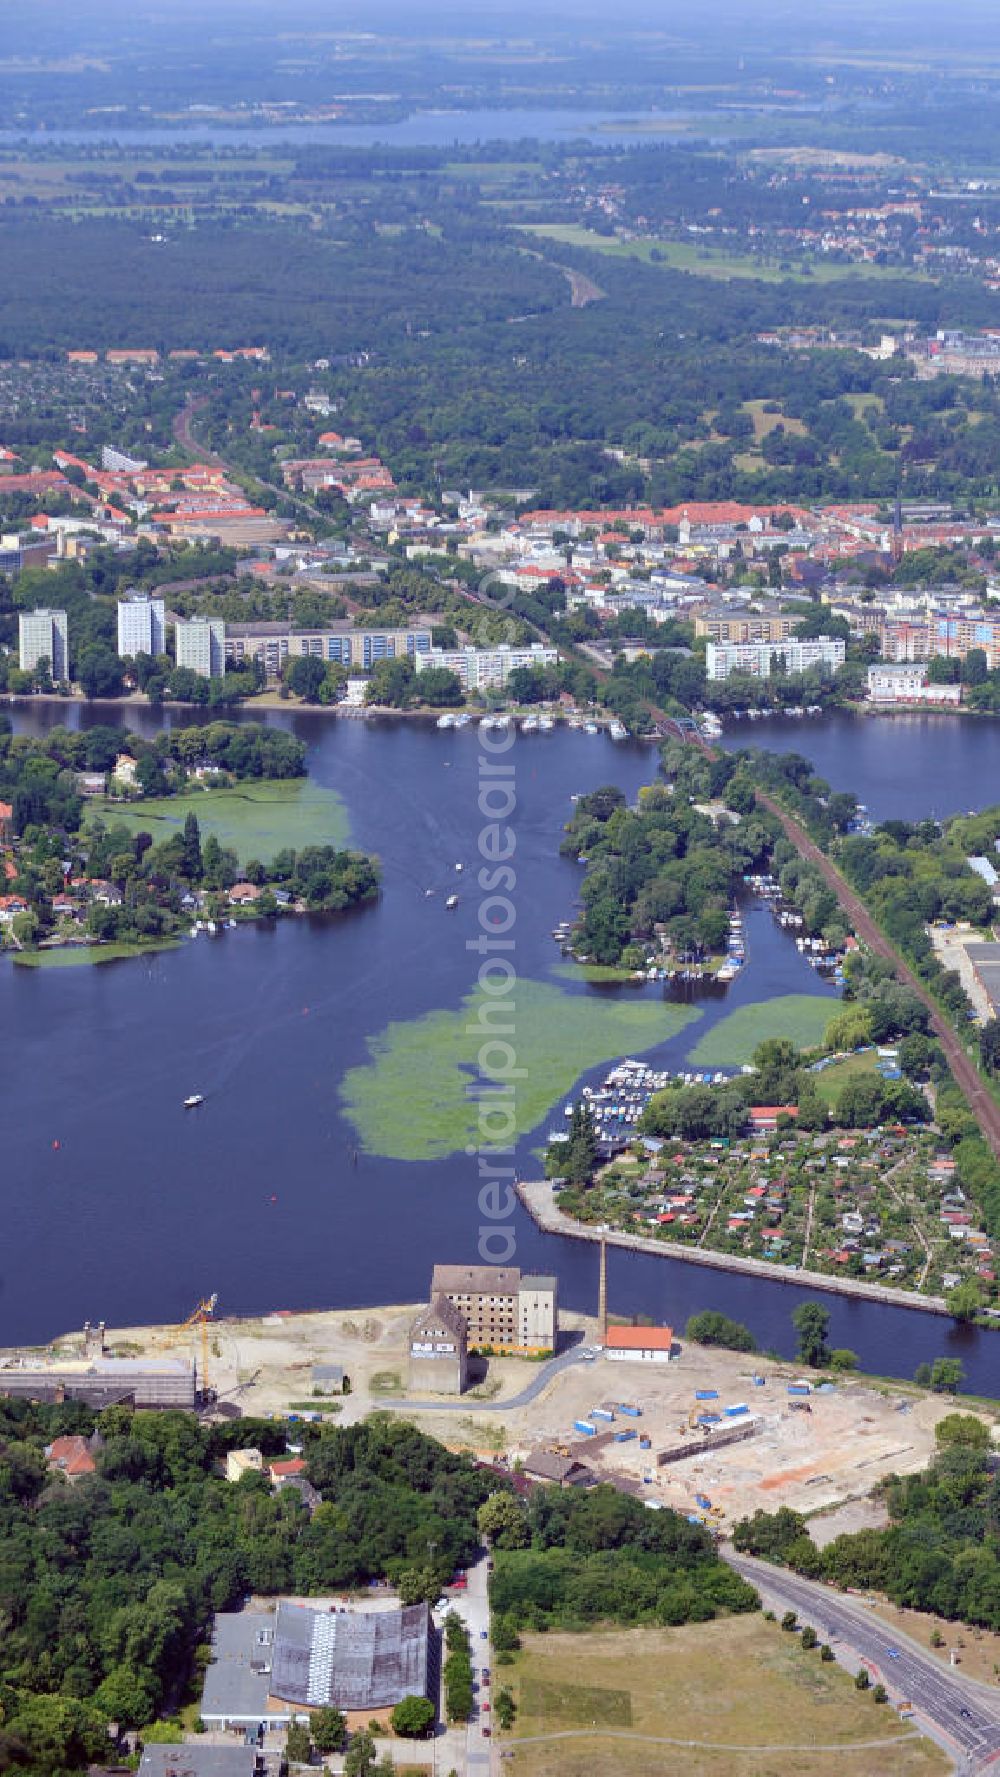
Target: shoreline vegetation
point(604, 718)
point(68, 956)
point(102, 846)
point(256, 818)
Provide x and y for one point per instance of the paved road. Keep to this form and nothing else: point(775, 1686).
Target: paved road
point(961, 1714)
point(471, 1745)
point(467, 1402)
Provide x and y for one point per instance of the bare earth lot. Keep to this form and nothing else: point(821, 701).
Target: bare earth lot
point(710, 1700)
point(813, 1461)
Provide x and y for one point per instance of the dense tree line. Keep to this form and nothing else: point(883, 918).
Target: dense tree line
point(38, 776)
point(779, 1076)
point(662, 868)
point(107, 1587)
point(579, 1558)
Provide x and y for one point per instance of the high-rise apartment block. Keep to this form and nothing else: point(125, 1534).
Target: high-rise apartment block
point(44, 635)
point(140, 625)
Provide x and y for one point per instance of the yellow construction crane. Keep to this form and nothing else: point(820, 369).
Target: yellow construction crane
point(201, 1317)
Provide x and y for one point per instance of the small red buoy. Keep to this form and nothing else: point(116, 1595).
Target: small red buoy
point(56, 1144)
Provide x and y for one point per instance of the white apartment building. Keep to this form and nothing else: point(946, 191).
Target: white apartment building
point(201, 645)
point(889, 682)
point(761, 659)
point(44, 635)
point(141, 627)
point(485, 669)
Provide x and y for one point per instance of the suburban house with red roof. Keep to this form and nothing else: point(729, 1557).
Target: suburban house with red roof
point(74, 1456)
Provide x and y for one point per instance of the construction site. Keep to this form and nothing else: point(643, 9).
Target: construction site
point(711, 1433)
point(716, 1439)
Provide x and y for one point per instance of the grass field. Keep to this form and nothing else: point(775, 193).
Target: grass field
point(257, 819)
point(711, 262)
point(802, 1017)
point(734, 1698)
point(859, 403)
point(413, 1100)
point(51, 179)
point(833, 1079)
point(763, 423)
point(71, 956)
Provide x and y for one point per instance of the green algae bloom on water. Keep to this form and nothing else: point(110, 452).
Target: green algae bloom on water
point(413, 1100)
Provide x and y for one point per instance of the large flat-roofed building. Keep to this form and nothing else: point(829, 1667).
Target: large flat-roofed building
point(907, 682)
point(342, 644)
point(201, 645)
point(28, 549)
point(44, 635)
point(486, 669)
point(266, 642)
point(761, 659)
point(503, 1310)
point(104, 1381)
point(201, 1759)
point(745, 626)
point(266, 1669)
point(363, 648)
point(439, 1349)
point(985, 960)
point(237, 1688)
point(141, 625)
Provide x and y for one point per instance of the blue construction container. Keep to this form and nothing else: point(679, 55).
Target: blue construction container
point(630, 1412)
point(602, 1413)
point(734, 1412)
point(706, 1394)
point(709, 1418)
point(799, 1388)
point(624, 1437)
point(584, 1426)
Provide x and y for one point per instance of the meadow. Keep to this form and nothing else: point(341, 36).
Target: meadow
point(257, 819)
point(709, 1700)
point(711, 262)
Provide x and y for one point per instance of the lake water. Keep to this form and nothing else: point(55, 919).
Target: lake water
point(141, 1210)
point(907, 766)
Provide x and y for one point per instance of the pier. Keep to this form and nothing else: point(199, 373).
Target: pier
point(536, 1197)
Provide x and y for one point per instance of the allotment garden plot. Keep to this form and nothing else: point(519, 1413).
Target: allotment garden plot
point(880, 1203)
